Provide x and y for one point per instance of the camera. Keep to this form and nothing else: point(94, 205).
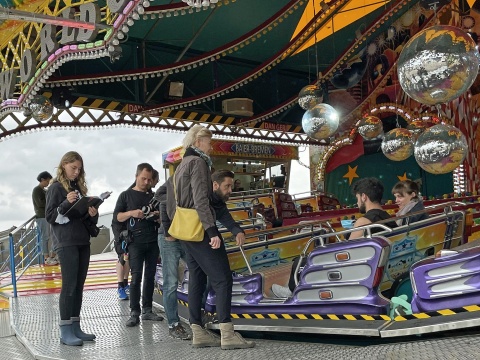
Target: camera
point(150, 208)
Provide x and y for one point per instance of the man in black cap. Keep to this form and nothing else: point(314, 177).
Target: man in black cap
point(39, 200)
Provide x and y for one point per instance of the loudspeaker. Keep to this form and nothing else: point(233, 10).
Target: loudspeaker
point(175, 89)
point(238, 106)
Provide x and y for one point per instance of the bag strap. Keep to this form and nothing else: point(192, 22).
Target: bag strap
point(175, 188)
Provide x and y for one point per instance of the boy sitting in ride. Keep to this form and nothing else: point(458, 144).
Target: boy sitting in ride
point(369, 193)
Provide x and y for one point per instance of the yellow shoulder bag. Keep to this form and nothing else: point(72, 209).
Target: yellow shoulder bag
point(186, 224)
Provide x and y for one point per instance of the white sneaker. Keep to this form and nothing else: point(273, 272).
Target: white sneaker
point(281, 291)
point(51, 261)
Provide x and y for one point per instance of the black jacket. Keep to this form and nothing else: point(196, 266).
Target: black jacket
point(223, 215)
point(417, 217)
point(161, 197)
point(73, 233)
point(142, 230)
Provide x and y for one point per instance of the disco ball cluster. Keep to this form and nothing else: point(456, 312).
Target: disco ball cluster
point(438, 64)
point(320, 121)
point(41, 108)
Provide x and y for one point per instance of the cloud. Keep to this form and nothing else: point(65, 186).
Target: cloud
point(110, 157)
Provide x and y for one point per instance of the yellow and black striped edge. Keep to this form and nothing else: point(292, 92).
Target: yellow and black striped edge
point(112, 105)
point(181, 302)
point(444, 312)
point(310, 317)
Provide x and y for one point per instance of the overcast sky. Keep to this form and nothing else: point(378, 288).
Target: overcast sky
point(110, 159)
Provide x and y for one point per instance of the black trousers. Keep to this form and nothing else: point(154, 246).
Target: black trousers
point(74, 261)
point(204, 261)
point(291, 280)
point(138, 254)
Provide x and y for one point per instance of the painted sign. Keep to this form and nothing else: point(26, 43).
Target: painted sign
point(51, 39)
point(240, 149)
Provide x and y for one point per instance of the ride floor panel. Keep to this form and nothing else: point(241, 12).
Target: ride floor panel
point(35, 320)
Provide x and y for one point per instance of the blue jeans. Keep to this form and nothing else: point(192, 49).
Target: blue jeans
point(44, 231)
point(171, 253)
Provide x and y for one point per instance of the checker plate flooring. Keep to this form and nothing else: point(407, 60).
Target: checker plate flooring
point(35, 321)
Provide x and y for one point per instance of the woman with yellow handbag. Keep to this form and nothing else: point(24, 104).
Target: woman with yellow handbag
point(206, 256)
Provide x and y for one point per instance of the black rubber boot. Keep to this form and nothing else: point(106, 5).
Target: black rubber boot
point(78, 331)
point(67, 336)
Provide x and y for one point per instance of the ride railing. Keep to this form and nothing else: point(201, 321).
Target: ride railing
point(451, 232)
point(19, 250)
point(251, 194)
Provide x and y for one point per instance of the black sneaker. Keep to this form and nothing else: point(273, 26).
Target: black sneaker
point(134, 320)
point(151, 316)
point(178, 332)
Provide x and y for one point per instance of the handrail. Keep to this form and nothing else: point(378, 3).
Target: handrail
point(27, 232)
point(246, 260)
point(253, 193)
point(14, 231)
point(313, 193)
point(282, 228)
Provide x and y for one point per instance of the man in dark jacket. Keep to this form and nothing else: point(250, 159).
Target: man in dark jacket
point(222, 188)
point(134, 207)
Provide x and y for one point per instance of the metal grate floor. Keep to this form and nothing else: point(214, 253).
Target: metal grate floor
point(35, 321)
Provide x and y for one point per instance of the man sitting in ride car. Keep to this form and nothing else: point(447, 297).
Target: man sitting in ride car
point(369, 193)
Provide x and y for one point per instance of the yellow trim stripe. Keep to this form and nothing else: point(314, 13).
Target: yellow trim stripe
point(444, 312)
point(310, 317)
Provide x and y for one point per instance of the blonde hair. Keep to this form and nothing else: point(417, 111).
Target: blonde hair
point(61, 177)
point(195, 133)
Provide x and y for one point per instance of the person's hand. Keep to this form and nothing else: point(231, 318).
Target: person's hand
point(72, 196)
point(215, 242)
point(92, 211)
point(240, 239)
point(138, 214)
point(169, 238)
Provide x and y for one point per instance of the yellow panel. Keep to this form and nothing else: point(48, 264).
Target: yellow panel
point(351, 12)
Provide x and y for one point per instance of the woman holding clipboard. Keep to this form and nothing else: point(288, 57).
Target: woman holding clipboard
point(71, 241)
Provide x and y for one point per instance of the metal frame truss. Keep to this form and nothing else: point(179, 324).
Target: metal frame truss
point(14, 124)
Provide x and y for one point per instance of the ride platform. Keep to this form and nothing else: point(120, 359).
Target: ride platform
point(34, 319)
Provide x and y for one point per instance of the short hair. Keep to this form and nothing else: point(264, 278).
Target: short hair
point(195, 133)
point(144, 166)
point(44, 175)
point(372, 187)
point(406, 187)
point(220, 175)
point(155, 175)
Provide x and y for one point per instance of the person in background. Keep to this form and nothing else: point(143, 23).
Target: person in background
point(408, 200)
point(143, 250)
point(369, 193)
point(237, 186)
point(122, 266)
point(71, 242)
point(171, 252)
point(155, 178)
point(194, 189)
point(39, 201)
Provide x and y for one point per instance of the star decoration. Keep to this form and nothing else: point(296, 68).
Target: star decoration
point(351, 174)
point(402, 177)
